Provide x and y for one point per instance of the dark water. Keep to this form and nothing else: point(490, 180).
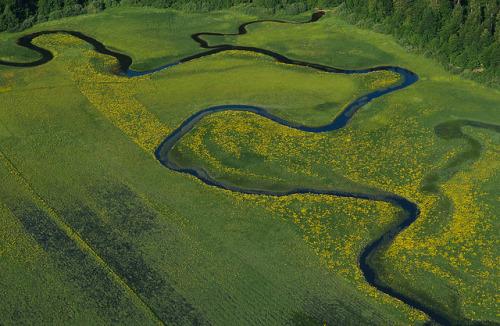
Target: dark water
point(162, 153)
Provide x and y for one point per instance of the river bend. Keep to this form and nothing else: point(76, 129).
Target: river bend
point(162, 153)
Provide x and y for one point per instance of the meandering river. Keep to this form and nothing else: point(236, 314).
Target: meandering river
point(162, 153)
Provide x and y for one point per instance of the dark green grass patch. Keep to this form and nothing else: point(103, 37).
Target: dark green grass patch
point(48, 277)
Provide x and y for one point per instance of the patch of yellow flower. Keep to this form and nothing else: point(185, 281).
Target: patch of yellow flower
point(380, 79)
point(194, 146)
point(473, 232)
point(112, 95)
point(304, 153)
point(463, 252)
point(6, 82)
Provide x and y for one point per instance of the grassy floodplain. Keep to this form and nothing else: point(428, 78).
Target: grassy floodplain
point(77, 148)
point(164, 38)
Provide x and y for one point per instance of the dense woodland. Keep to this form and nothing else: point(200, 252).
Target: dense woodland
point(462, 34)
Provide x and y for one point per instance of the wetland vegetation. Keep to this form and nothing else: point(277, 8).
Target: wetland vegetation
point(82, 183)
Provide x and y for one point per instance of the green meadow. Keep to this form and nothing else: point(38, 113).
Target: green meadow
point(94, 230)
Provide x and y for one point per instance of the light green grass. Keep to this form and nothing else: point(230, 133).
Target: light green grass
point(299, 94)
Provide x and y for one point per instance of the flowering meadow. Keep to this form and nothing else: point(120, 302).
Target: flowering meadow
point(94, 230)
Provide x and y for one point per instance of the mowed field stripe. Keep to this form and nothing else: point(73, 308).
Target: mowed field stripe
point(84, 246)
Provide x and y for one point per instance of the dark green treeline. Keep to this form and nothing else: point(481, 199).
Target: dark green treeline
point(461, 34)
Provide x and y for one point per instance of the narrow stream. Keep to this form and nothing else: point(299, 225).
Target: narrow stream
point(162, 153)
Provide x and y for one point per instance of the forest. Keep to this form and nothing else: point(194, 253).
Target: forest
point(464, 35)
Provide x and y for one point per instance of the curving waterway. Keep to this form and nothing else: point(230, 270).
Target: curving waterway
point(162, 153)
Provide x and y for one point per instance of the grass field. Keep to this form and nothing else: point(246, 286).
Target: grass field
point(168, 33)
point(86, 208)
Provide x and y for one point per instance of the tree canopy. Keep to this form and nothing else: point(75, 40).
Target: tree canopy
point(462, 34)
